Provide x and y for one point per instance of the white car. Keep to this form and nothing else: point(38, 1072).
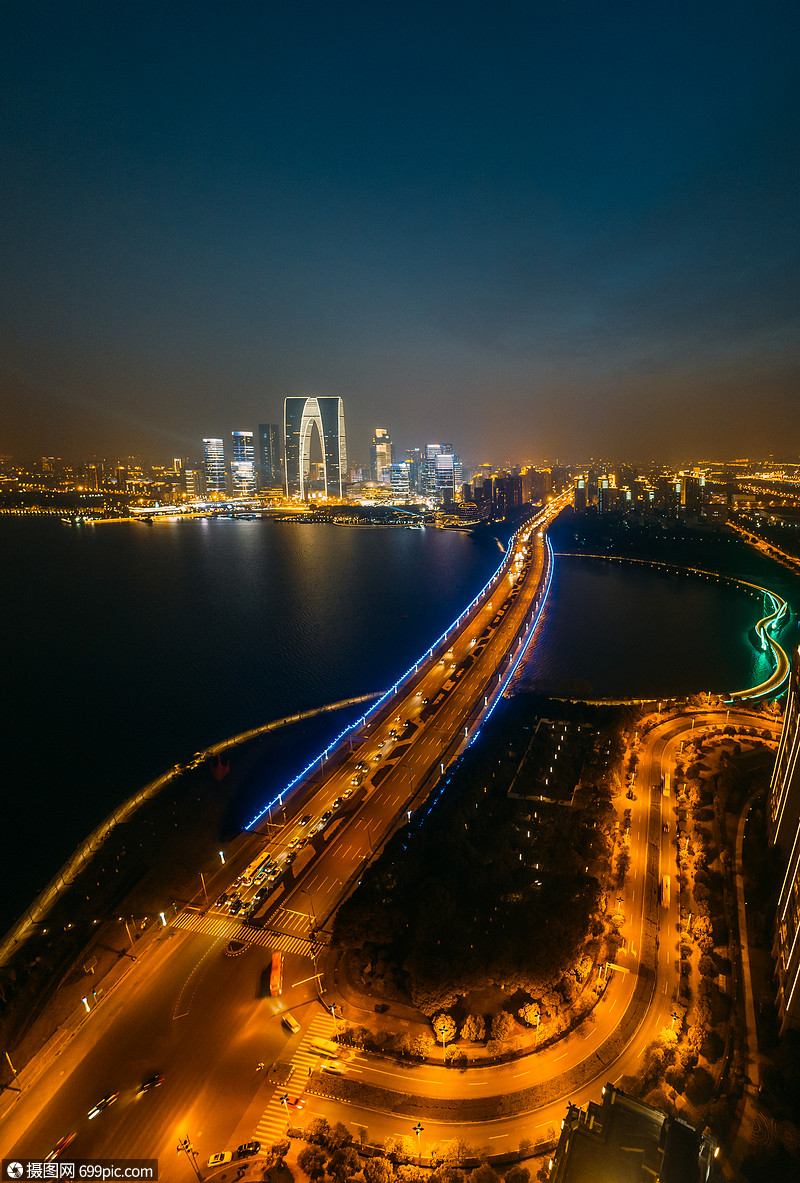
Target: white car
point(219, 1160)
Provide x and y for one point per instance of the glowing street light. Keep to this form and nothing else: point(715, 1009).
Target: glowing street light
point(418, 1128)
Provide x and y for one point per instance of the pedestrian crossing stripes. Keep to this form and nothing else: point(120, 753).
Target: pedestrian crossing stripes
point(221, 926)
point(278, 1114)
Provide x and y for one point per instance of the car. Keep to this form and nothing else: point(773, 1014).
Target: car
point(425, 700)
point(244, 881)
point(236, 907)
point(338, 802)
point(305, 819)
point(247, 1149)
point(362, 764)
point(293, 845)
point(103, 1104)
point(347, 793)
point(291, 856)
point(332, 1066)
point(221, 899)
point(665, 827)
point(152, 1082)
point(60, 1146)
point(262, 891)
point(381, 743)
point(295, 1102)
point(290, 1021)
point(393, 733)
point(377, 757)
point(303, 842)
point(219, 1160)
point(356, 779)
point(273, 874)
point(327, 815)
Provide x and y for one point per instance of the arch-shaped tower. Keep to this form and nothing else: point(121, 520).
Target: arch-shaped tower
point(300, 416)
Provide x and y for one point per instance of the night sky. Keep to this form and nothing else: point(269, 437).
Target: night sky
point(552, 228)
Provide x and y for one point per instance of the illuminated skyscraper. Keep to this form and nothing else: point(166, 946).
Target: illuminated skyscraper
point(214, 464)
point(269, 463)
point(243, 464)
point(398, 475)
point(301, 415)
point(784, 828)
point(381, 455)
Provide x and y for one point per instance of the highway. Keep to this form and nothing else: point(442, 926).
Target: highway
point(193, 1007)
point(188, 1011)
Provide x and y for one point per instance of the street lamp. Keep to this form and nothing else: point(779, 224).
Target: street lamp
point(418, 1128)
point(185, 1146)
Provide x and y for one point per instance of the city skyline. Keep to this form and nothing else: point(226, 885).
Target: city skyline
point(567, 228)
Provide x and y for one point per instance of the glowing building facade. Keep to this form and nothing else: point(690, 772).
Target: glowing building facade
point(300, 417)
point(243, 464)
point(214, 465)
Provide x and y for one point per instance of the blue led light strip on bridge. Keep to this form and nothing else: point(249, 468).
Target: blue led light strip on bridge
point(320, 759)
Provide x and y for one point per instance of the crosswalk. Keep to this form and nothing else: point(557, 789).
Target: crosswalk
point(223, 926)
point(277, 1116)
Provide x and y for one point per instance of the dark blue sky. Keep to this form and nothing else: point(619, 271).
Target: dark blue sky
point(556, 227)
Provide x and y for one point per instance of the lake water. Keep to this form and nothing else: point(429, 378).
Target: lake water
point(126, 648)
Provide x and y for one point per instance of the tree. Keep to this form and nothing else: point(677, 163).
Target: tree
point(445, 1028)
point(344, 1162)
point(518, 1174)
point(311, 1160)
point(483, 1174)
point(422, 1046)
point(318, 1132)
point(378, 1170)
point(502, 1025)
point(278, 1151)
point(448, 1173)
point(339, 1136)
point(474, 1028)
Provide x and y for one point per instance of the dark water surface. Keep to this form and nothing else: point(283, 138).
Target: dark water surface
point(126, 648)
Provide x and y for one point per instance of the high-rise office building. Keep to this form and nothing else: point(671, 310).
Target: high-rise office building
point(214, 465)
point(784, 831)
point(381, 455)
point(191, 482)
point(269, 460)
point(440, 473)
point(300, 416)
point(694, 494)
point(399, 479)
point(243, 464)
point(625, 1139)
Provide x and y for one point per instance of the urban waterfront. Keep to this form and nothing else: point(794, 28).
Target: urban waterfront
point(136, 646)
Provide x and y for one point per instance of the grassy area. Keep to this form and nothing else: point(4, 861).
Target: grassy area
point(490, 903)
